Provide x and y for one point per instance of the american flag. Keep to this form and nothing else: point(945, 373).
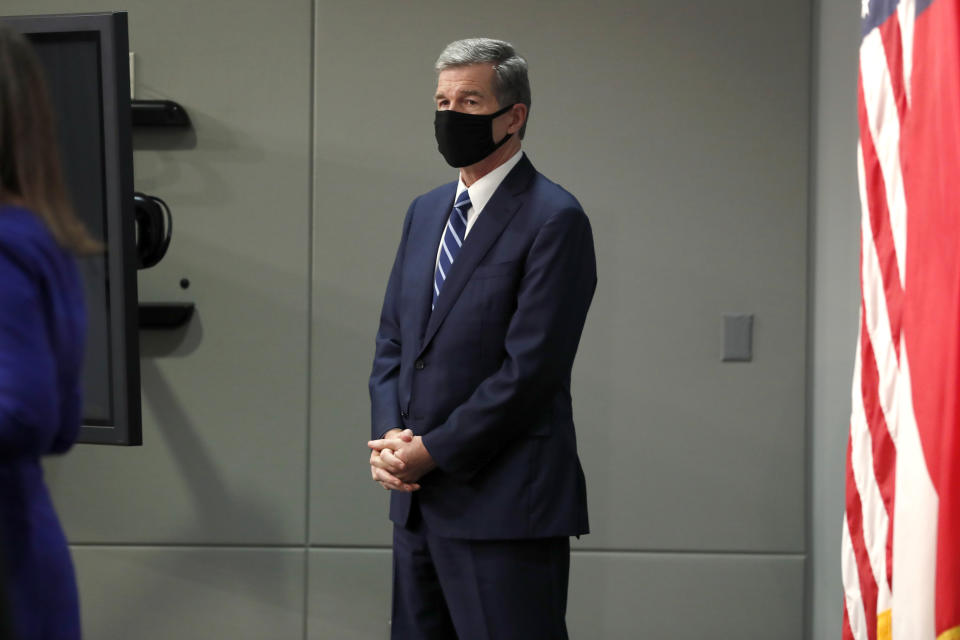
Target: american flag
point(901, 529)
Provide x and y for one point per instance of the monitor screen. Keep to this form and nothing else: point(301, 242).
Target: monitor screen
point(86, 62)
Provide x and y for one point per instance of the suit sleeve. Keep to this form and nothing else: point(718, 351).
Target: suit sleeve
point(28, 379)
point(384, 402)
point(541, 341)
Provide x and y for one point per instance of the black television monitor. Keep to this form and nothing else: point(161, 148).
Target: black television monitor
point(87, 65)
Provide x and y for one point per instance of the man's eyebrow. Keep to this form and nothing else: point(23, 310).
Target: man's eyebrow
point(460, 92)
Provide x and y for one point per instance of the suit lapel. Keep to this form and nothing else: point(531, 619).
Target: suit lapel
point(425, 266)
point(488, 227)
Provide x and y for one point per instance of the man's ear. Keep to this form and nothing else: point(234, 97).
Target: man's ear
point(518, 115)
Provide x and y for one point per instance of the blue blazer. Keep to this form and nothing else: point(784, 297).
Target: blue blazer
point(42, 334)
point(485, 377)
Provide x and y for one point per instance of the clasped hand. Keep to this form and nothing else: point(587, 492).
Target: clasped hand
point(399, 460)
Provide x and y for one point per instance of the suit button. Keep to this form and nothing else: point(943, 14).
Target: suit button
point(418, 365)
point(404, 415)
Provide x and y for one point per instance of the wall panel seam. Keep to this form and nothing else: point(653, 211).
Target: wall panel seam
point(320, 547)
point(311, 199)
point(813, 60)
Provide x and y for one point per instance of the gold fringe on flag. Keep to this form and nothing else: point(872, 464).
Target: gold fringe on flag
point(884, 621)
point(950, 634)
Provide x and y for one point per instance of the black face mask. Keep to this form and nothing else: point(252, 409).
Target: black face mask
point(465, 138)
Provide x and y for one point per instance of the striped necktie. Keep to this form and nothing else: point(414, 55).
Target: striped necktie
point(453, 237)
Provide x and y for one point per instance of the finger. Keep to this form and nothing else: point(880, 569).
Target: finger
point(406, 435)
point(373, 468)
point(388, 479)
point(392, 483)
point(386, 443)
point(407, 487)
point(388, 465)
point(374, 460)
point(375, 455)
point(393, 463)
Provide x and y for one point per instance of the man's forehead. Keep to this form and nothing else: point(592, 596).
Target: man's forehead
point(474, 78)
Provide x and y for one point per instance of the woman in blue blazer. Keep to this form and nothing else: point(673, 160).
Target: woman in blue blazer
point(42, 331)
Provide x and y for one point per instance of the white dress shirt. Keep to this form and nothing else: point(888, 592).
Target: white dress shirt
point(480, 193)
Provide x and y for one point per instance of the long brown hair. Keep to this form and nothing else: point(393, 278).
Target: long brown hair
point(30, 171)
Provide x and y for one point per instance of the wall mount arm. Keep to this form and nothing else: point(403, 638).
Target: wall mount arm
point(158, 113)
point(165, 315)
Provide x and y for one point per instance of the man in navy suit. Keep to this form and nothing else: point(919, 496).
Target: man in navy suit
point(470, 390)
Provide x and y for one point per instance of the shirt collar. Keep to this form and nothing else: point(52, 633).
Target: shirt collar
point(483, 189)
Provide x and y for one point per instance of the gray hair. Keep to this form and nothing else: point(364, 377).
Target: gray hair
point(511, 83)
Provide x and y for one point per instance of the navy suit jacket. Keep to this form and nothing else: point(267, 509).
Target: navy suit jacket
point(485, 376)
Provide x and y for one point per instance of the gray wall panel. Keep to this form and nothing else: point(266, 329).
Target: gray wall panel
point(702, 212)
point(224, 400)
point(190, 594)
point(349, 594)
point(620, 596)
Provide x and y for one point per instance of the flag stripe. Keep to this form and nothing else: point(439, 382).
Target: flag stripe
point(874, 412)
point(886, 135)
point(847, 630)
point(915, 536)
point(876, 315)
point(879, 217)
point(893, 48)
point(852, 603)
point(868, 585)
point(870, 481)
point(875, 518)
point(884, 452)
point(906, 11)
point(884, 125)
